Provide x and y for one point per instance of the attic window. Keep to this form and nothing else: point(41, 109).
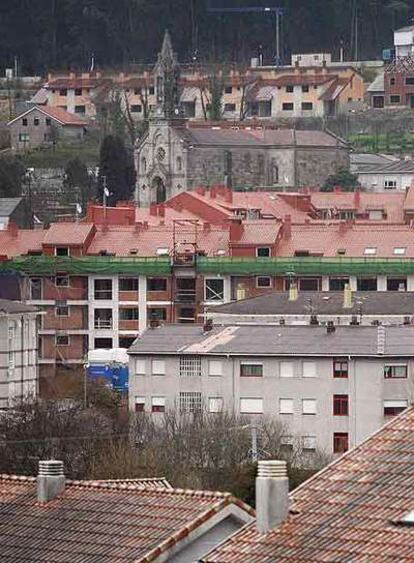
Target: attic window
point(399, 250)
point(301, 252)
point(341, 251)
point(133, 251)
point(370, 251)
point(220, 252)
point(61, 251)
point(162, 251)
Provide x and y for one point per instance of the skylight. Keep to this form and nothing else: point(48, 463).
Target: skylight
point(408, 519)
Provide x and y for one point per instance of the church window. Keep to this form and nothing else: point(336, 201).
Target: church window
point(275, 173)
point(179, 163)
point(144, 164)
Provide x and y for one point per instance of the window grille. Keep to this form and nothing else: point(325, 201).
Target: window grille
point(190, 401)
point(190, 366)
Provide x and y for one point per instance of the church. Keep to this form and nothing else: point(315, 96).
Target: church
point(175, 154)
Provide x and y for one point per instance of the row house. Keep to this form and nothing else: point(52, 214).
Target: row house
point(329, 387)
point(103, 281)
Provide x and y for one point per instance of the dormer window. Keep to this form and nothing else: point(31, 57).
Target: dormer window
point(62, 251)
point(370, 251)
point(341, 251)
point(399, 250)
point(162, 251)
point(263, 252)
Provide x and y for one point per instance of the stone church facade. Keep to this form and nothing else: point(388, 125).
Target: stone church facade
point(176, 155)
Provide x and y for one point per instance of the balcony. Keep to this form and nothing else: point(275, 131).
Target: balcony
point(103, 319)
point(186, 296)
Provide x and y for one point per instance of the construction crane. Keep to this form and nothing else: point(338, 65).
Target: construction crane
point(219, 7)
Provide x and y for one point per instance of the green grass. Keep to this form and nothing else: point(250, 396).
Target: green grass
point(87, 150)
point(391, 143)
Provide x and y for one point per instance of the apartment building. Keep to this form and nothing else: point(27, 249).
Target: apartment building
point(19, 376)
point(330, 386)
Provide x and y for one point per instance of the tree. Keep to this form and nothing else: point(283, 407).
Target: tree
point(78, 183)
point(343, 179)
point(11, 176)
point(116, 170)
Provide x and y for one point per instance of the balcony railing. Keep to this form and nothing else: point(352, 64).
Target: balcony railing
point(103, 323)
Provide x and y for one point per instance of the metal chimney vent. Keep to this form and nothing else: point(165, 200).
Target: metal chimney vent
point(51, 468)
point(272, 469)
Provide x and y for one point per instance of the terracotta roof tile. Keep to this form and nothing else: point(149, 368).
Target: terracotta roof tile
point(350, 511)
point(68, 233)
point(23, 242)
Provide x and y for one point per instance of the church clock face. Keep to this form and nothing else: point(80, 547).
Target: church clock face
point(160, 153)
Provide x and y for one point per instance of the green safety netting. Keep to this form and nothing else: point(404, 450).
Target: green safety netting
point(305, 266)
point(44, 265)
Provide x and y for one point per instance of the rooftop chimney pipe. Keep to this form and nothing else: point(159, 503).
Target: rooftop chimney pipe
point(293, 292)
point(272, 494)
point(50, 480)
point(347, 296)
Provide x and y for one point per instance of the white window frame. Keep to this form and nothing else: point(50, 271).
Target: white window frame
point(11, 362)
point(305, 373)
point(190, 366)
point(140, 400)
point(162, 251)
point(264, 286)
point(219, 296)
point(399, 250)
point(140, 367)
point(370, 251)
point(64, 336)
point(158, 367)
point(215, 404)
point(390, 184)
point(215, 368)
point(190, 401)
point(309, 443)
point(257, 409)
point(158, 401)
point(306, 406)
point(291, 369)
point(286, 406)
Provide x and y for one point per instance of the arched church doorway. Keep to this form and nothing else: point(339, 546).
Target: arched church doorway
point(158, 187)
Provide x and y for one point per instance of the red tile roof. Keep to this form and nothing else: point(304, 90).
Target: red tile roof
point(98, 521)
point(350, 511)
point(21, 243)
point(68, 233)
point(60, 115)
point(71, 83)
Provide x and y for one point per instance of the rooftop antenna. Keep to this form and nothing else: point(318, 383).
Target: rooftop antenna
point(92, 67)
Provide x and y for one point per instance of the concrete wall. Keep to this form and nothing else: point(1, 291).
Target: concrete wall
point(365, 386)
point(18, 358)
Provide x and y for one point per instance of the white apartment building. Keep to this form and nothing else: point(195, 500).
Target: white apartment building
point(404, 41)
point(18, 352)
point(330, 386)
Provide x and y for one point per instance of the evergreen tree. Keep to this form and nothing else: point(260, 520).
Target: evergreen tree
point(78, 183)
point(343, 179)
point(11, 176)
point(116, 170)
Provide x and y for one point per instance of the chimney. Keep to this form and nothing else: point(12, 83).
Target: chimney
point(206, 227)
point(272, 494)
point(347, 296)
point(213, 192)
point(337, 189)
point(13, 229)
point(153, 209)
point(145, 225)
point(228, 195)
point(50, 480)
point(293, 291)
point(208, 325)
point(236, 230)
point(161, 210)
point(343, 227)
point(200, 190)
point(357, 198)
point(330, 327)
point(287, 227)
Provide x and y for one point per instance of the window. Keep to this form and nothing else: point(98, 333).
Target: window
point(78, 91)
point(286, 442)
point(158, 367)
point(140, 368)
point(179, 163)
point(305, 88)
point(308, 406)
point(128, 314)
point(137, 91)
point(366, 284)
point(136, 108)
point(144, 164)
point(158, 404)
point(103, 343)
point(392, 81)
point(63, 92)
point(80, 109)
point(103, 319)
point(395, 99)
point(397, 371)
point(11, 360)
point(289, 88)
point(128, 284)
point(338, 284)
point(24, 137)
point(215, 367)
point(370, 251)
point(309, 284)
point(36, 121)
point(157, 284)
point(263, 252)
point(103, 289)
point(409, 81)
point(307, 106)
point(35, 285)
point(228, 90)
point(285, 406)
point(62, 340)
point(215, 404)
point(61, 251)
point(309, 369)
point(396, 284)
point(251, 370)
point(62, 311)
point(390, 184)
point(190, 366)
point(214, 289)
point(340, 442)
point(151, 90)
point(62, 281)
point(340, 405)
point(286, 369)
point(263, 281)
point(139, 404)
point(309, 442)
point(48, 121)
point(251, 406)
point(287, 106)
point(400, 250)
point(393, 408)
point(24, 121)
point(190, 401)
point(230, 107)
point(157, 313)
point(340, 368)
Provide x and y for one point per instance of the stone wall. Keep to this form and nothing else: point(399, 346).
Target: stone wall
point(313, 166)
